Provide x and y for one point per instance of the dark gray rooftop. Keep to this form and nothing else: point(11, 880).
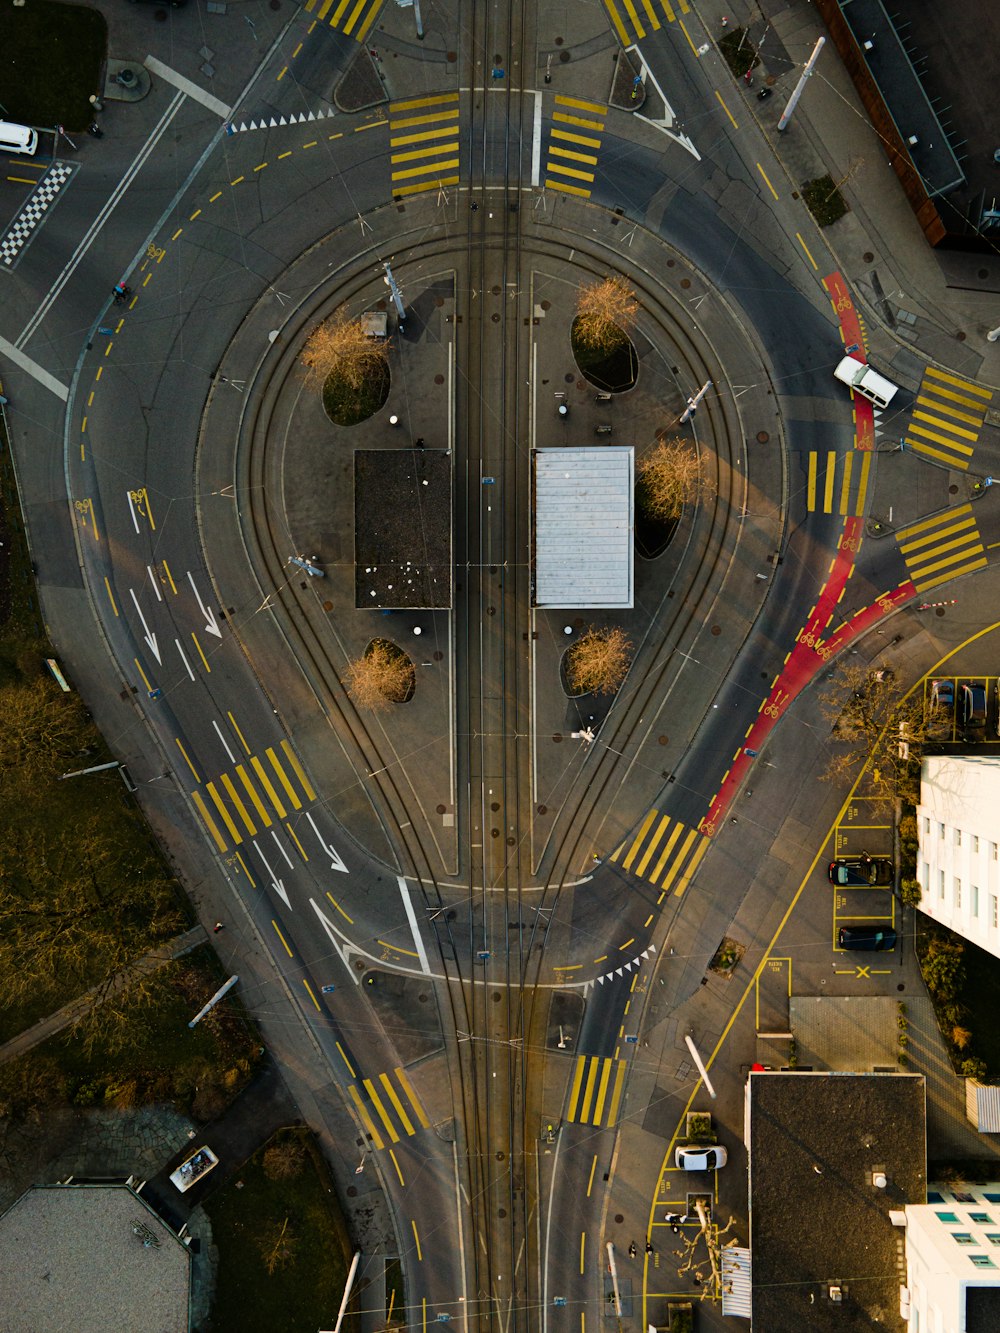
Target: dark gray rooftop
point(817, 1220)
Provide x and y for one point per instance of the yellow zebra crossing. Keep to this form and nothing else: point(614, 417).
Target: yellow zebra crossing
point(237, 803)
point(662, 847)
point(573, 145)
point(948, 415)
point(423, 143)
point(629, 17)
point(941, 548)
point(385, 1114)
point(596, 1091)
point(823, 493)
point(351, 17)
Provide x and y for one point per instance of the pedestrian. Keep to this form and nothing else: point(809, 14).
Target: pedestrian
point(649, 1248)
point(696, 1279)
point(120, 292)
point(631, 1250)
point(217, 927)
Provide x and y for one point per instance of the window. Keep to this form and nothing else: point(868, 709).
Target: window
point(981, 1217)
point(993, 918)
point(960, 1196)
point(975, 899)
point(948, 1218)
point(993, 851)
point(982, 1261)
point(941, 883)
point(975, 842)
point(934, 1197)
point(940, 830)
point(958, 837)
point(926, 882)
point(992, 1198)
point(958, 892)
point(993, 1237)
point(962, 1238)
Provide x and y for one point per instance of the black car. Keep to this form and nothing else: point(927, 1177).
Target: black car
point(855, 871)
point(972, 710)
point(941, 714)
point(876, 938)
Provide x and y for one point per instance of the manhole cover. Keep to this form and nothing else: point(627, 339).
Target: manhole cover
point(441, 809)
point(664, 740)
point(438, 379)
point(494, 833)
point(494, 805)
point(716, 630)
point(868, 256)
point(685, 282)
point(543, 809)
point(762, 437)
point(556, 739)
point(328, 606)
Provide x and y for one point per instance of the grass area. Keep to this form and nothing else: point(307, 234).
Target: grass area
point(739, 52)
point(289, 1223)
point(52, 60)
point(613, 369)
point(346, 406)
point(200, 1070)
point(824, 200)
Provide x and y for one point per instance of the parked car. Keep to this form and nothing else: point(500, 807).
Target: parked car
point(859, 870)
point(972, 710)
point(862, 379)
point(877, 938)
point(698, 1157)
point(941, 712)
point(997, 690)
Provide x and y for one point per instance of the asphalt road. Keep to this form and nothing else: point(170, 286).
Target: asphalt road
point(210, 669)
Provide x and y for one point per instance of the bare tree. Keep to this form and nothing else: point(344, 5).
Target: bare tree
point(672, 475)
point(284, 1159)
point(43, 728)
point(871, 720)
point(605, 311)
point(278, 1246)
point(598, 662)
point(383, 676)
point(341, 347)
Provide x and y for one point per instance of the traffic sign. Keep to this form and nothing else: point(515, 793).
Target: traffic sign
point(325, 990)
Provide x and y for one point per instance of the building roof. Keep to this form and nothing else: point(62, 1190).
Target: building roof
point(817, 1220)
point(982, 1309)
point(402, 528)
point(584, 520)
point(964, 788)
point(70, 1260)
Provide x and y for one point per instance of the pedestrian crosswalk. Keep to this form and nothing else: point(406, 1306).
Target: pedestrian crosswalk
point(574, 140)
point(941, 548)
point(948, 415)
point(237, 803)
point(630, 18)
point(389, 1108)
point(351, 17)
point(662, 847)
point(596, 1091)
point(823, 492)
point(423, 142)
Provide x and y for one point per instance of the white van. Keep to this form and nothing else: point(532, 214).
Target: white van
point(17, 138)
point(865, 381)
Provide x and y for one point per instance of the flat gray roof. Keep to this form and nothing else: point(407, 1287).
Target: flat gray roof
point(70, 1260)
point(584, 520)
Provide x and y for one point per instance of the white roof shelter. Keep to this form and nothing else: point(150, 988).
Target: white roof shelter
point(584, 516)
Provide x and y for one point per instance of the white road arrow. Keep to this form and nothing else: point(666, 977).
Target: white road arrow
point(211, 626)
point(276, 883)
point(150, 638)
point(336, 862)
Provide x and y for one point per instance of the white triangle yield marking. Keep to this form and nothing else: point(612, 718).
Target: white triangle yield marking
point(273, 123)
point(618, 972)
point(310, 116)
point(644, 954)
point(628, 967)
point(601, 980)
point(282, 121)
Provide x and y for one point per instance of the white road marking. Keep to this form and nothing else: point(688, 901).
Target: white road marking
point(212, 626)
point(336, 861)
point(281, 849)
point(276, 883)
point(186, 86)
point(33, 369)
point(536, 141)
point(97, 225)
point(414, 928)
point(131, 505)
point(150, 638)
point(218, 732)
point(156, 586)
point(186, 662)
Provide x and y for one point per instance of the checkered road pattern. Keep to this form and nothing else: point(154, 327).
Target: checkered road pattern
point(42, 198)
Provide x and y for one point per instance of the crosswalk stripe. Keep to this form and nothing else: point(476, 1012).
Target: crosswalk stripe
point(690, 868)
point(300, 772)
point(678, 860)
point(422, 136)
point(926, 434)
point(589, 1091)
point(424, 186)
point(966, 525)
point(616, 21)
point(383, 1115)
point(393, 1096)
point(290, 791)
point(973, 420)
point(616, 1094)
point(556, 151)
point(813, 469)
point(569, 171)
point(407, 1087)
point(866, 463)
point(563, 119)
point(964, 434)
point(640, 31)
point(926, 524)
point(933, 373)
point(599, 108)
point(567, 136)
point(602, 1092)
point(251, 791)
point(425, 153)
point(265, 782)
point(928, 584)
point(845, 483)
point(651, 15)
point(435, 118)
point(574, 1092)
point(831, 473)
point(415, 103)
point(210, 823)
point(566, 188)
point(643, 830)
point(410, 172)
point(640, 869)
point(227, 818)
point(658, 869)
point(237, 800)
point(952, 559)
point(366, 1119)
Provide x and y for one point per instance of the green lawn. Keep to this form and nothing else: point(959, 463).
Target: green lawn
point(52, 60)
point(300, 1216)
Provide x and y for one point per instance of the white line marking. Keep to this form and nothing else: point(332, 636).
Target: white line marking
point(212, 625)
point(276, 883)
point(335, 858)
point(156, 586)
point(536, 141)
point(281, 849)
point(150, 638)
point(225, 743)
point(95, 227)
point(36, 371)
point(186, 86)
point(412, 918)
point(185, 661)
point(135, 521)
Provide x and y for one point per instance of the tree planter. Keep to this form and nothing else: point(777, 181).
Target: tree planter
point(727, 958)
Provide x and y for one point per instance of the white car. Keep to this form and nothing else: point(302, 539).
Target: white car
point(692, 1157)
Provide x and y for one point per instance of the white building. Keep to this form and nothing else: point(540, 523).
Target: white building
point(958, 828)
point(953, 1260)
